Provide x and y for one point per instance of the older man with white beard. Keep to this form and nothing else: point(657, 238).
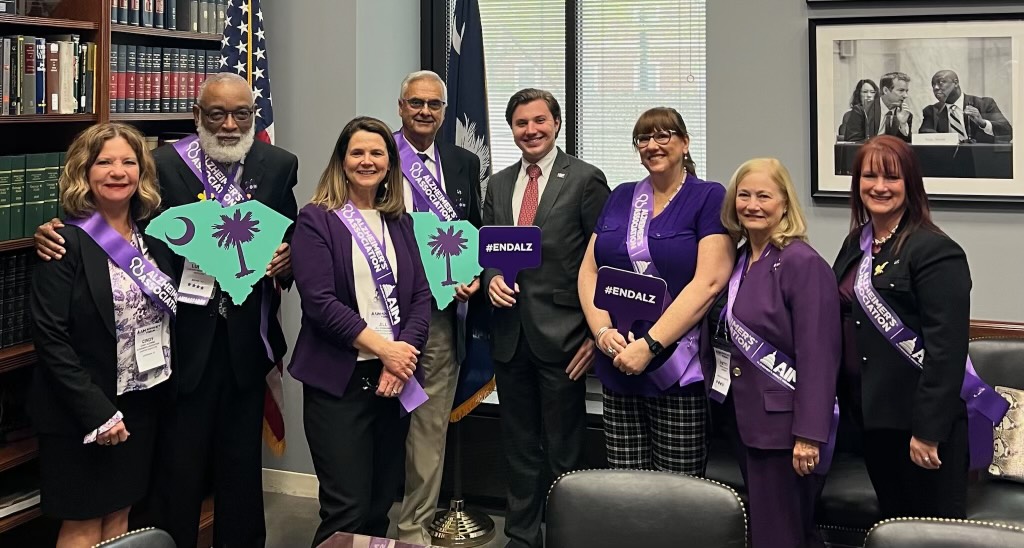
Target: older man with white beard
point(224, 350)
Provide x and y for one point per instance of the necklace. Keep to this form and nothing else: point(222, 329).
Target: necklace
point(674, 192)
point(879, 241)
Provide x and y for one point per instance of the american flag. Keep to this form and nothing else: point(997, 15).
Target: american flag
point(244, 52)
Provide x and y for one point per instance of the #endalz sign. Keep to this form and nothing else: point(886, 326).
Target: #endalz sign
point(449, 252)
point(629, 297)
point(233, 244)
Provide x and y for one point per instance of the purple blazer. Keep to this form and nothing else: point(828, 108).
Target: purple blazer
point(324, 355)
point(790, 298)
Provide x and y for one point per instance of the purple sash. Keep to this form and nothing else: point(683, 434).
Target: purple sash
point(769, 360)
point(223, 188)
point(985, 408)
point(427, 194)
point(218, 185)
point(384, 279)
point(683, 366)
point(156, 285)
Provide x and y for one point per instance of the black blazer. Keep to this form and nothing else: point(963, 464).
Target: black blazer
point(461, 170)
point(935, 119)
point(864, 121)
point(74, 390)
point(547, 310)
point(269, 175)
point(928, 285)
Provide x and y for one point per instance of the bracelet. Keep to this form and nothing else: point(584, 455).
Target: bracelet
point(601, 332)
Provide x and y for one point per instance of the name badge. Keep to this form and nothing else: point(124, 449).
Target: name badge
point(149, 347)
point(722, 382)
point(196, 286)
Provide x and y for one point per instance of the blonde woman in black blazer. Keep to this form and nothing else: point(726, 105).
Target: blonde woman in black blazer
point(94, 406)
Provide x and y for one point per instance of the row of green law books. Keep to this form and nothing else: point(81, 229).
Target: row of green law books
point(28, 192)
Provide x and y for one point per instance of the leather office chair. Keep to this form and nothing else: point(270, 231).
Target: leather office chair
point(149, 537)
point(999, 361)
point(943, 533)
point(616, 508)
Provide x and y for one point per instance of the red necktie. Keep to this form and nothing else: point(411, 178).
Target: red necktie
point(528, 209)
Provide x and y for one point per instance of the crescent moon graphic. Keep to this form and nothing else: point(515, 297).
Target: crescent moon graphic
point(190, 232)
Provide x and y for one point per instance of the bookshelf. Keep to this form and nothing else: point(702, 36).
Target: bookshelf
point(49, 133)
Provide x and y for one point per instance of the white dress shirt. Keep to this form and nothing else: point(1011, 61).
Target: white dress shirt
point(545, 164)
point(985, 126)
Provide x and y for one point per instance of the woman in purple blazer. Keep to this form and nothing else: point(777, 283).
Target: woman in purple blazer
point(365, 313)
point(778, 378)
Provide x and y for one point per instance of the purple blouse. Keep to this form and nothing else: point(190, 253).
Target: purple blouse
point(673, 237)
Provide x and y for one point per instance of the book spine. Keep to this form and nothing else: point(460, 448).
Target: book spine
point(158, 14)
point(183, 104)
point(204, 17)
point(5, 198)
point(35, 193)
point(17, 197)
point(200, 70)
point(40, 75)
point(122, 78)
point(90, 77)
point(5, 76)
point(114, 90)
point(222, 14)
point(134, 11)
point(52, 195)
point(192, 89)
point(53, 76)
point(147, 13)
point(122, 11)
point(142, 79)
point(132, 77)
point(28, 89)
point(165, 81)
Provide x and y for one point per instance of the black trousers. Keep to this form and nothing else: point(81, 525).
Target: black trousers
point(214, 435)
point(905, 489)
point(543, 422)
point(357, 443)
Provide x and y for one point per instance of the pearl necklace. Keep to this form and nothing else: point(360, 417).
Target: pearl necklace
point(676, 191)
point(879, 241)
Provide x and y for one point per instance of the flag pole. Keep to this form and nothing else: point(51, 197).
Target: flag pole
point(458, 526)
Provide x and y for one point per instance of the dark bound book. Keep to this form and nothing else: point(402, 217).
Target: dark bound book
point(131, 70)
point(122, 78)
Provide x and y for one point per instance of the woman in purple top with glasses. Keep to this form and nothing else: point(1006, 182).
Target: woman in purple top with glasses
point(667, 226)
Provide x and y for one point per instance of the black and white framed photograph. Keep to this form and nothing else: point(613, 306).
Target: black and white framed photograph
point(951, 88)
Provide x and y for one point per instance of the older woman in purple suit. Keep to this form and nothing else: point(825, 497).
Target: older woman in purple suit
point(365, 313)
point(778, 378)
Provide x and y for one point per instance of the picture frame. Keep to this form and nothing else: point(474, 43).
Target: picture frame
point(976, 163)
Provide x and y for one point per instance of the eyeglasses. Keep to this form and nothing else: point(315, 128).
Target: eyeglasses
point(417, 104)
point(661, 137)
point(217, 115)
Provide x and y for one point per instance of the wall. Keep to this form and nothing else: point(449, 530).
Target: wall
point(758, 106)
point(330, 60)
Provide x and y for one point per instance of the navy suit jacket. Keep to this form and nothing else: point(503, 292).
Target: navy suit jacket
point(864, 123)
point(936, 120)
point(324, 355)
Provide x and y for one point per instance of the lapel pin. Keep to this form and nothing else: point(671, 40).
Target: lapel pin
point(881, 268)
point(560, 175)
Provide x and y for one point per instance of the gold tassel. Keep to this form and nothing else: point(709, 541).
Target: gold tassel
point(276, 446)
point(470, 404)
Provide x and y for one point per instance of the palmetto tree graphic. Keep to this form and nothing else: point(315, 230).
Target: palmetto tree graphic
point(449, 244)
point(236, 231)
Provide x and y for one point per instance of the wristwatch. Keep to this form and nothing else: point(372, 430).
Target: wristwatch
point(655, 346)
